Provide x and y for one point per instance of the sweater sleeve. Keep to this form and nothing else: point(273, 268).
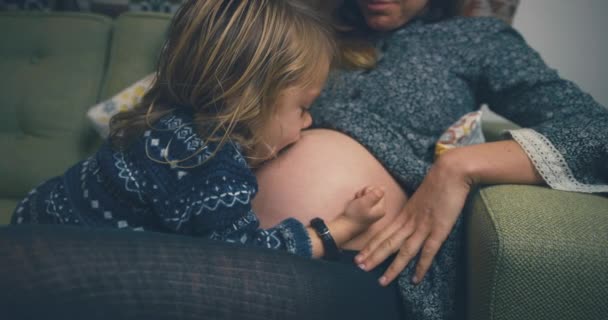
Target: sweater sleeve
point(565, 131)
point(210, 196)
point(219, 208)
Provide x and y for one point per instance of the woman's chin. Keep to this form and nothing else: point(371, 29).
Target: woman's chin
point(383, 23)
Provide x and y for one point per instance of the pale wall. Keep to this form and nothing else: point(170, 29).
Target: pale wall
point(572, 37)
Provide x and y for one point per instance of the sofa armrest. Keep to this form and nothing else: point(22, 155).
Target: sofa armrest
point(536, 253)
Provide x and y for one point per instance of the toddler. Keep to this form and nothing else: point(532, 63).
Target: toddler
point(233, 86)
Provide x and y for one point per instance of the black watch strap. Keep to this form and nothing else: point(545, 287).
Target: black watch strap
point(329, 244)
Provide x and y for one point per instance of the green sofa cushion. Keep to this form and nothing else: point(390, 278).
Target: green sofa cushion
point(53, 67)
point(537, 253)
point(138, 39)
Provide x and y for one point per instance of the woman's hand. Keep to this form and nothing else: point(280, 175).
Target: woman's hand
point(424, 224)
point(429, 216)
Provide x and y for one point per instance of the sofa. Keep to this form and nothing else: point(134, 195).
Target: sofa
point(532, 252)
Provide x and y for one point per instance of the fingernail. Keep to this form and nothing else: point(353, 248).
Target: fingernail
point(382, 280)
point(361, 266)
point(359, 258)
point(415, 279)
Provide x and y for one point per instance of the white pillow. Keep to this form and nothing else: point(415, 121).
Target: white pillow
point(101, 113)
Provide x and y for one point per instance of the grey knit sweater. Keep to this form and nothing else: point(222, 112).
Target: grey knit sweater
point(429, 75)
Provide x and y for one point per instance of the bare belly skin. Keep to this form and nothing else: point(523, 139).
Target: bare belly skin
point(317, 176)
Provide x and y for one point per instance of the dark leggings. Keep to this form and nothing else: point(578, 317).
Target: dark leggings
point(57, 272)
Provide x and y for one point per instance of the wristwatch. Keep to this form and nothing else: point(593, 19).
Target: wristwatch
point(329, 244)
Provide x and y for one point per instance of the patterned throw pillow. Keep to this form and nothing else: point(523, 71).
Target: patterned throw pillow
point(101, 113)
point(465, 131)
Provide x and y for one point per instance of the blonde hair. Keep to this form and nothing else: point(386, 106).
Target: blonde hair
point(227, 61)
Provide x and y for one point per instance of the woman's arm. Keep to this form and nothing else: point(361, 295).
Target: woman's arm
point(429, 216)
point(565, 132)
point(565, 145)
point(493, 163)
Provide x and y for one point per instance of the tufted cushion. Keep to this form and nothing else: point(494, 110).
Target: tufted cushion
point(138, 38)
point(131, 57)
point(52, 67)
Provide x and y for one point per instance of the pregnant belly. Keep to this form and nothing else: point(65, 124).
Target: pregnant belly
point(317, 176)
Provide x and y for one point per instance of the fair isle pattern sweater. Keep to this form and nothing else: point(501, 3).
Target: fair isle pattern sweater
point(428, 76)
point(162, 183)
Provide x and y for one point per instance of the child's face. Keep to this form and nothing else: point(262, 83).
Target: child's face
point(291, 117)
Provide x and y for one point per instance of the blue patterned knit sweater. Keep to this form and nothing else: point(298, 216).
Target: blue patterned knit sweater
point(146, 187)
point(431, 74)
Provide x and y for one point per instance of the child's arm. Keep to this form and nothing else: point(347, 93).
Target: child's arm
point(220, 209)
point(213, 198)
point(366, 208)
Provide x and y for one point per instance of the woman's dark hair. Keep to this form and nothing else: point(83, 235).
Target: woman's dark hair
point(354, 33)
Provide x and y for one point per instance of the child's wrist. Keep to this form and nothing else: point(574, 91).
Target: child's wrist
point(316, 243)
point(343, 229)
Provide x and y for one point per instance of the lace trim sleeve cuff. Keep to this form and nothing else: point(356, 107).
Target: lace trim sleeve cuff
point(551, 164)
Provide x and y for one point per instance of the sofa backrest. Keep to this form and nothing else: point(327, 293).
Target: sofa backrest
point(55, 66)
point(137, 41)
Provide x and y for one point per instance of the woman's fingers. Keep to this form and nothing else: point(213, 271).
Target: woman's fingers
point(406, 253)
point(386, 248)
point(378, 240)
point(383, 247)
point(429, 251)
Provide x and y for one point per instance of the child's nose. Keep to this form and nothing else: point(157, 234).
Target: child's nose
point(307, 121)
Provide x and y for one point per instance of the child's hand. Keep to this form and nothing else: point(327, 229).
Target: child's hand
point(366, 208)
